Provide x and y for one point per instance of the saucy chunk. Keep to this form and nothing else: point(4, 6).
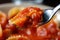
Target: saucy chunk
point(24, 25)
point(30, 15)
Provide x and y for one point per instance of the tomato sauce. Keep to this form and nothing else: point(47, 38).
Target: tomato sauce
point(25, 26)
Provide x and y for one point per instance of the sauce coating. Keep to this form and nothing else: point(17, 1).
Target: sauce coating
point(25, 26)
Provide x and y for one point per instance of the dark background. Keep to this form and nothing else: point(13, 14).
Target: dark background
point(51, 2)
point(4, 1)
point(46, 2)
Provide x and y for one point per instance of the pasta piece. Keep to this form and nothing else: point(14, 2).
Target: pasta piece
point(17, 37)
point(33, 13)
point(1, 31)
point(12, 12)
point(3, 19)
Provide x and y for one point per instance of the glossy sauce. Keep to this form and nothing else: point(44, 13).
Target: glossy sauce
point(25, 26)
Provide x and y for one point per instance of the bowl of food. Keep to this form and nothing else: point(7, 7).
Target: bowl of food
point(22, 23)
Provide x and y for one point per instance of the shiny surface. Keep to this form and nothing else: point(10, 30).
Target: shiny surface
point(48, 14)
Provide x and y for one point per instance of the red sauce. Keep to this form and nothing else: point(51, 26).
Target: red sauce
point(25, 26)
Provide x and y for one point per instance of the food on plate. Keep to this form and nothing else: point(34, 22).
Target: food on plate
point(25, 16)
point(12, 12)
point(3, 19)
point(0, 31)
point(18, 37)
point(24, 24)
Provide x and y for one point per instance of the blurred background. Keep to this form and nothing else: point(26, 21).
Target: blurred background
point(45, 2)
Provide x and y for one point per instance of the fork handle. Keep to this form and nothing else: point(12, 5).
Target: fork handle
point(56, 9)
